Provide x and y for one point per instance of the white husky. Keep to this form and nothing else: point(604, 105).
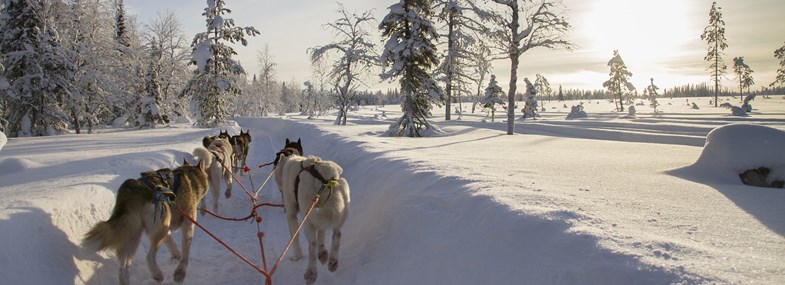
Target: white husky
point(301, 179)
point(218, 161)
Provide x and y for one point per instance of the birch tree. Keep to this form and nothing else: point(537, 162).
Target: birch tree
point(459, 38)
point(518, 26)
point(355, 56)
point(410, 54)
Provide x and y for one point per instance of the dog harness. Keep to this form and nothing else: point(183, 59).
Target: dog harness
point(326, 184)
point(162, 193)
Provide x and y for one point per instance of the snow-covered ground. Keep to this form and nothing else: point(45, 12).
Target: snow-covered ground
point(602, 200)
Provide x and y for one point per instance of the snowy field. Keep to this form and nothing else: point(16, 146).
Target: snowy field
point(601, 200)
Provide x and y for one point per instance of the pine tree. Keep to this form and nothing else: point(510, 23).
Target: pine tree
point(530, 105)
point(121, 34)
point(714, 35)
point(38, 70)
point(493, 96)
point(743, 73)
point(780, 78)
point(356, 56)
point(653, 93)
point(410, 54)
point(214, 80)
point(618, 83)
point(151, 100)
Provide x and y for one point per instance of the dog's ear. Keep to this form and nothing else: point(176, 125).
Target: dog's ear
point(299, 141)
point(199, 164)
point(185, 162)
point(287, 141)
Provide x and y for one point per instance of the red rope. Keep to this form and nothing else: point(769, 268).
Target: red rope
point(253, 212)
point(285, 249)
point(268, 276)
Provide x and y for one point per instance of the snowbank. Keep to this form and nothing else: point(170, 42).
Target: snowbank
point(733, 149)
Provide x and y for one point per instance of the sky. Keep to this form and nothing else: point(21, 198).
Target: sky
point(656, 39)
point(601, 200)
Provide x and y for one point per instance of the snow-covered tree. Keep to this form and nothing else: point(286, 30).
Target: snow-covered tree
point(39, 71)
point(127, 70)
point(458, 38)
point(714, 35)
point(530, 104)
point(542, 87)
point(268, 83)
point(410, 54)
point(151, 99)
point(164, 35)
point(521, 25)
point(355, 56)
point(618, 83)
point(87, 29)
point(780, 78)
point(290, 98)
point(743, 73)
point(213, 84)
point(494, 95)
point(5, 89)
point(121, 33)
point(652, 92)
point(481, 63)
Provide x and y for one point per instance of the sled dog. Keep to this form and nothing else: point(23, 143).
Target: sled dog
point(146, 205)
point(301, 179)
point(218, 157)
point(240, 143)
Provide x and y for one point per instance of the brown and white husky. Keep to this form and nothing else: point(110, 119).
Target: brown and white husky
point(147, 205)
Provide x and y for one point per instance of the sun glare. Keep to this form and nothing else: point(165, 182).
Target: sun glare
point(646, 33)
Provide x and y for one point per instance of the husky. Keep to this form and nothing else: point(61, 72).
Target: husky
point(301, 179)
point(218, 157)
point(240, 143)
point(140, 206)
point(207, 140)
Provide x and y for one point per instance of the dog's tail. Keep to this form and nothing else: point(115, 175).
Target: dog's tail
point(204, 156)
point(115, 232)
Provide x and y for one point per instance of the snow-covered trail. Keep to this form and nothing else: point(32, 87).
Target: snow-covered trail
point(557, 204)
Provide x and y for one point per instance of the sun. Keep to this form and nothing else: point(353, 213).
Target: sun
point(646, 33)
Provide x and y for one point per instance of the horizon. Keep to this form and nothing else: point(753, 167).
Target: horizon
point(670, 51)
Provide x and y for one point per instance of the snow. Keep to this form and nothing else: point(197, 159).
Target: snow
point(602, 200)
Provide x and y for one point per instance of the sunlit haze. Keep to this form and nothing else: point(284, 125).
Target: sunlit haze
point(656, 39)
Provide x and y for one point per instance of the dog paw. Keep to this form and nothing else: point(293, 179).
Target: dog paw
point(310, 276)
point(201, 212)
point(228, 194)
point(333, 266)
point(323, 256)
point(179, 275)
point(296, 257)
point(158, 276)
point(176, 257)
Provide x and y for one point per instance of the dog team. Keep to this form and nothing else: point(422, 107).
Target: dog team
point(155, 202)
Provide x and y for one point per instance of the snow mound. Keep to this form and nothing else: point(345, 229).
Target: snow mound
point(732, 149)
point(14, 165)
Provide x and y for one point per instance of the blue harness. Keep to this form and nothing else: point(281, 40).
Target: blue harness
point(162, 193)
